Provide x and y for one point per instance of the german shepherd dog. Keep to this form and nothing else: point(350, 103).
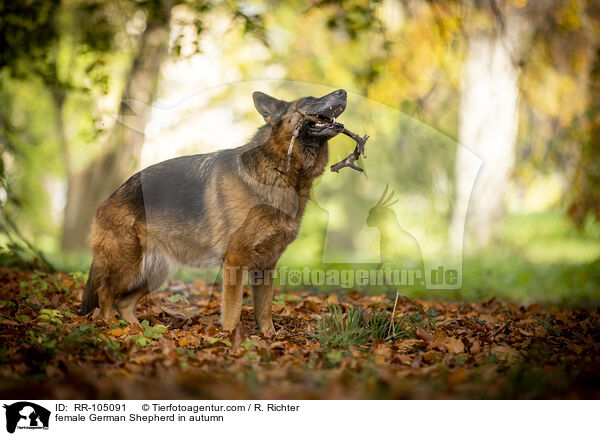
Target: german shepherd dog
point(239, 208)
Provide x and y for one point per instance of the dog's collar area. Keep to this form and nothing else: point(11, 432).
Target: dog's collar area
point(281, 171)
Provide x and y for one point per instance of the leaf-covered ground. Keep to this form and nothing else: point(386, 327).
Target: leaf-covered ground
point(335, 346)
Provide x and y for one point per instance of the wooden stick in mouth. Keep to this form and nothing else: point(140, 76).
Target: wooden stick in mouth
point(347, 162)
point(355, 155)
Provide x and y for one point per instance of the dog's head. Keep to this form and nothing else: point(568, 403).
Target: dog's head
point(284, 116)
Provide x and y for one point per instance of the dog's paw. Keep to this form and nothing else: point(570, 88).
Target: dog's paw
point(268, 329)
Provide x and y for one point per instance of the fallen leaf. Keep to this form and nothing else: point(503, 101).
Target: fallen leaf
point(402, 358)
point(333, 299)
point(505, 353)
point(117, 332)
point(439, 340)
point(431, 356)
point(406, 345)
point(426, 336)
point(455, 346)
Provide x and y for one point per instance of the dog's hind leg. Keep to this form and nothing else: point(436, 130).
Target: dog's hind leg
point(106, 302)
point(155, 267)
point(113, 292)
point(128, 304)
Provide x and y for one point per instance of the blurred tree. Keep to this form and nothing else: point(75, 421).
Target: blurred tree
point(28, 32)
point(585, 191)
point(553, 47)
point(558, 95)
point(54, 51)
point(489, 117)
point(121, 154)
point(119, 158)
point(82, 52)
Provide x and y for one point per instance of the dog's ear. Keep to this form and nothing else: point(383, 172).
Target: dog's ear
point(269, 107)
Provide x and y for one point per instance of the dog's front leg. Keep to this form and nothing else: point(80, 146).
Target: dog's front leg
point(233, 288)
point(262, 294)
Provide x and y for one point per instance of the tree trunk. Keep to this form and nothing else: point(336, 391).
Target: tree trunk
point(585, 189)
point(489, 116)
point(95, 183)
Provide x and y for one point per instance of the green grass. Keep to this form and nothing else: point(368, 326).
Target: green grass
point(522, 281)
point(536, 258)
point(339, 329)
point(359, 326)
point(549, 237)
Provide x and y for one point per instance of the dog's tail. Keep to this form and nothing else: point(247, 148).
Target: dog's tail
point(89, 300)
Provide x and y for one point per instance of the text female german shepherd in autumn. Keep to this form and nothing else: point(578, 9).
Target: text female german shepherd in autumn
point(239, 208)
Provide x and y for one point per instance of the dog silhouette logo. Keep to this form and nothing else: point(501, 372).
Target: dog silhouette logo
point(26, 415)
